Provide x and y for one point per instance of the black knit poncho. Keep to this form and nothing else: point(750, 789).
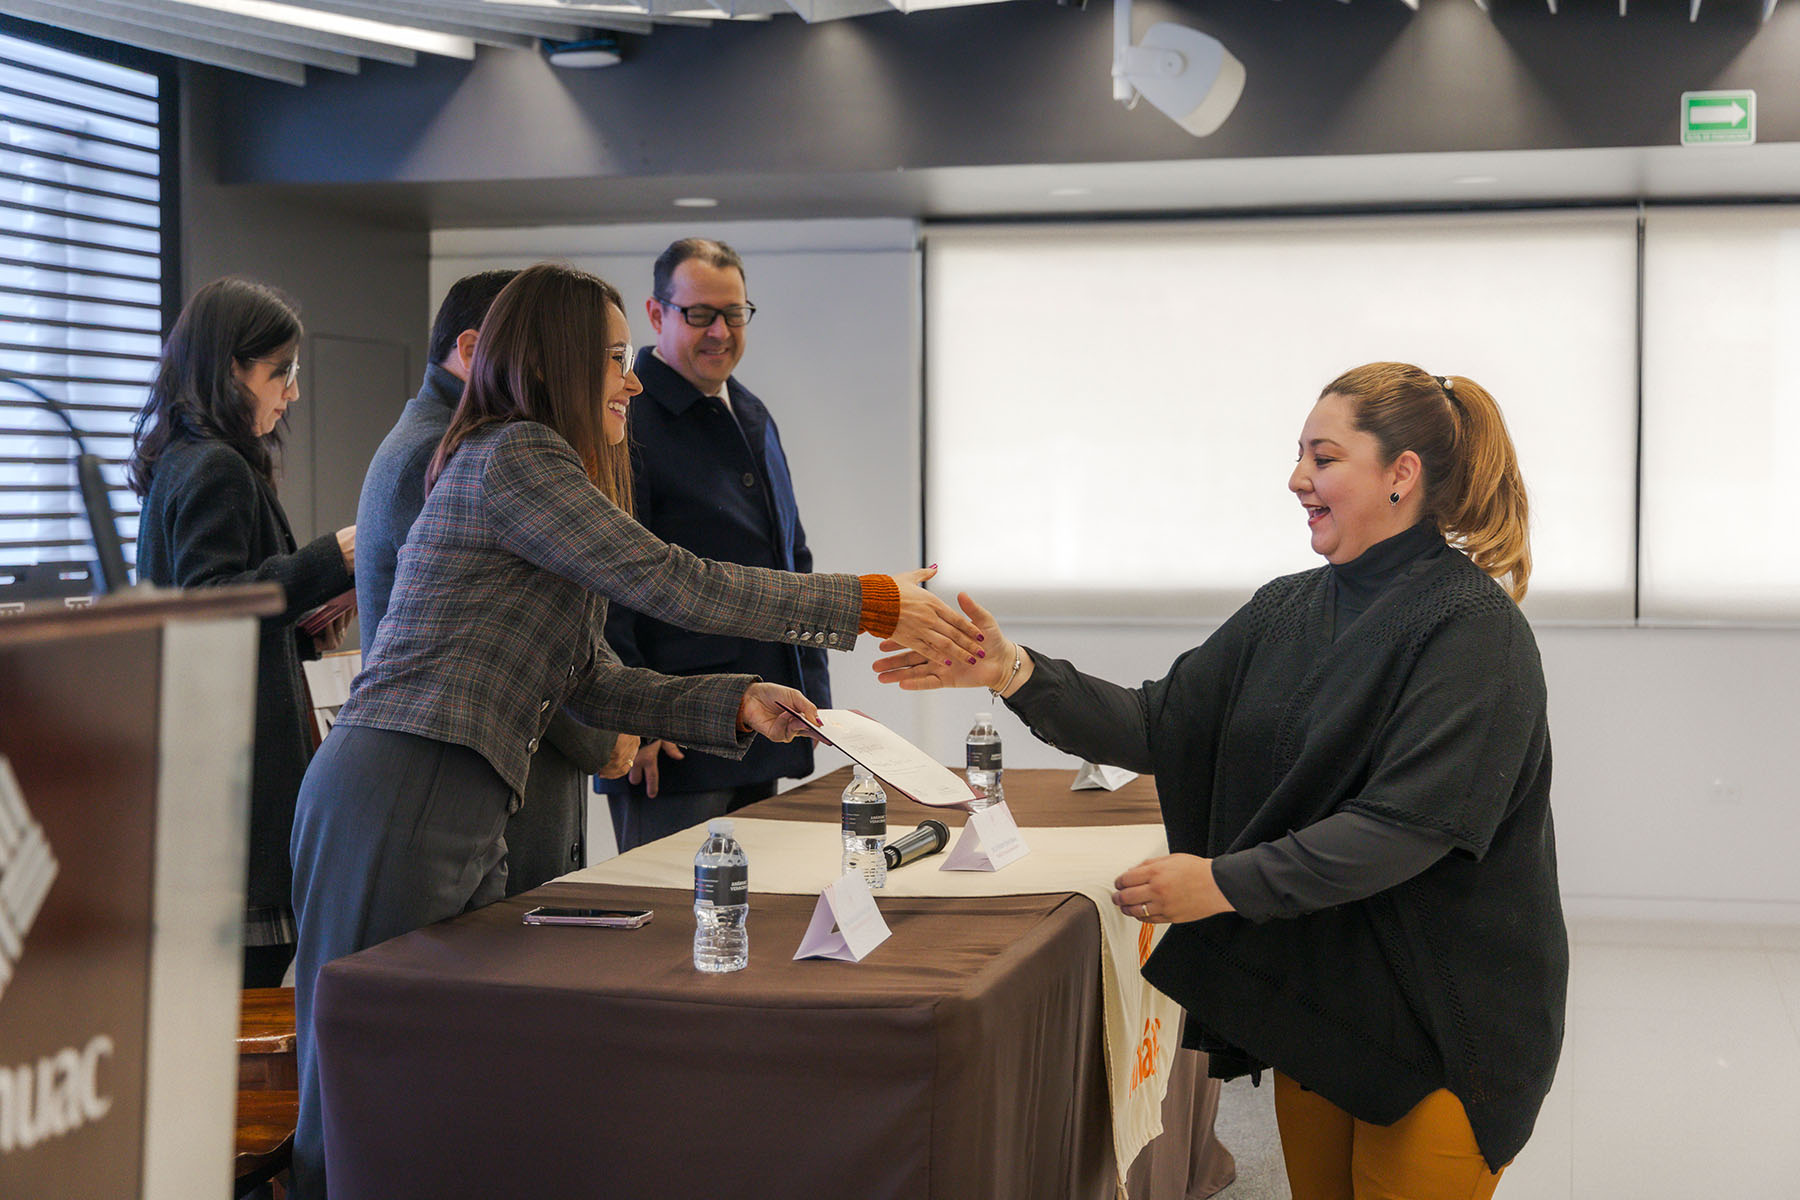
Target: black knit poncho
point(1428, 712)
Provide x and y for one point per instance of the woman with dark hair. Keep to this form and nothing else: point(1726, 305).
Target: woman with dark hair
point(494, 623)
point(203, 462)
point(1354, 773)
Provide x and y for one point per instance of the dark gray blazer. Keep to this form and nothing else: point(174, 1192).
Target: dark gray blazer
point(545, 836)
point(209, 520)
point(499, 598)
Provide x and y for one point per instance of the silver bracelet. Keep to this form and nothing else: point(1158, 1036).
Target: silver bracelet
point(1018, 661)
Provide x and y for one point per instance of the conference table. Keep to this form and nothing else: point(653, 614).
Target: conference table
point(961, 1060)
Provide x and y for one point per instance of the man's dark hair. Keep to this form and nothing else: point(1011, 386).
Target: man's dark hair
point(713, 254)
point(463, 308)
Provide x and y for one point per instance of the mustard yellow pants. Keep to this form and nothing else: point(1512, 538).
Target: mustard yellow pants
point(1429, 1154)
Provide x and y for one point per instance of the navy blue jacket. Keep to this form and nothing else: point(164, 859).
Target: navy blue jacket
point(703, 485)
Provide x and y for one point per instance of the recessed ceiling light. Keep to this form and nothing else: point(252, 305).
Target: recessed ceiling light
point(1071, 191)
point(1473, 180)
point(696, 202)
point(602, 51)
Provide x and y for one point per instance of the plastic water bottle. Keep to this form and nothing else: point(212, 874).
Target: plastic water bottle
point(865, 829)
point(721, 901)
point(982, 747)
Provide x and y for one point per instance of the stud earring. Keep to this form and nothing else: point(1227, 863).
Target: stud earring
point(1394, 498)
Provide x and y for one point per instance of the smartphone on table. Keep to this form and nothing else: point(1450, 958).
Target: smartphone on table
point(605, 918)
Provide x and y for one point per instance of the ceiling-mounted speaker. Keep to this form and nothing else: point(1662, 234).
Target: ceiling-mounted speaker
point(1189, 76)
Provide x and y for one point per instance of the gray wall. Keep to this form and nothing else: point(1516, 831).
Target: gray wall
point(360, 283)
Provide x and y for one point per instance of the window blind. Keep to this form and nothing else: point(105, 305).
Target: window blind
point(1113, 410)
point(83, 265)
point(1721, 412)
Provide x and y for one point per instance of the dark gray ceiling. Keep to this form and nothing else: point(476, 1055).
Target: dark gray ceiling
point(1006, 110)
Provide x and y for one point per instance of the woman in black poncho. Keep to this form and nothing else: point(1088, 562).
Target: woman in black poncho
point(1354, 772)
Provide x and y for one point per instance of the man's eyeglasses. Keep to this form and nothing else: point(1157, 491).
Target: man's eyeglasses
point(699, 316)
point(291, 367)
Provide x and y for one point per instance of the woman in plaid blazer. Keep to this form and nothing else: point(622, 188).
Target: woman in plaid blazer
point(495, 622)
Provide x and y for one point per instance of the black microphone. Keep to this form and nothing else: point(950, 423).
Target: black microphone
point(926, 840)
point(105, 534)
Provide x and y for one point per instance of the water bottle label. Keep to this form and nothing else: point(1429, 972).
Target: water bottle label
point(722, 885)
point(865, 820)
point(984, 757)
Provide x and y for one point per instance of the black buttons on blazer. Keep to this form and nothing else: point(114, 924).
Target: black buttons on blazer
point(749, 480)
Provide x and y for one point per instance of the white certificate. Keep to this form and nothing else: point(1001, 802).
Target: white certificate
point(895, 761)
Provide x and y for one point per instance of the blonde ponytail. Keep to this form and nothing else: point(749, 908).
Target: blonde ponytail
point(1482, 508)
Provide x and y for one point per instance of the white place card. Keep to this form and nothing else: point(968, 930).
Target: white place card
point(1097, 775)
point(845, 925)
point(989, 841)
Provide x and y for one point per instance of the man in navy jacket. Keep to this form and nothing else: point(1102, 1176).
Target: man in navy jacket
point(709, 475)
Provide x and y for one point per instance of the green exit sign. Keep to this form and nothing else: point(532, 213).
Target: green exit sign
point(1715, 118)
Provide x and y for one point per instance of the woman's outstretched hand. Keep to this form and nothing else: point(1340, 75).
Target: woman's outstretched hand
point(765, 709)
point(917, 672)
point(931, 627)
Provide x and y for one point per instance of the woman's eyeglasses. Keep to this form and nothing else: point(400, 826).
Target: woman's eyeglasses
point(289, 366)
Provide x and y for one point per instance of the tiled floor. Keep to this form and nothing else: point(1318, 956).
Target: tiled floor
point(1680, 1076)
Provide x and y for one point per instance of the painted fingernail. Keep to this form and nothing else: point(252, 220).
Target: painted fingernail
point(948, 663)
point(971, 662)
point(979, 654)
point(981, 637)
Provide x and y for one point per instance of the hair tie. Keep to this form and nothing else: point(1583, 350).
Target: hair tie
point(1449, 386)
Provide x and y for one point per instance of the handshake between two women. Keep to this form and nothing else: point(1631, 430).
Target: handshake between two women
point(943, 648)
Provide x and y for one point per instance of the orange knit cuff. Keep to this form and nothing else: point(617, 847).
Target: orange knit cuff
point(880, 605)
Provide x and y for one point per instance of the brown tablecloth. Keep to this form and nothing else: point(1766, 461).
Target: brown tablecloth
point(484, 1058)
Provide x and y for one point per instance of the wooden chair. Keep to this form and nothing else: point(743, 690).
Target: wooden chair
point(265, 1139)
point(268, 1104)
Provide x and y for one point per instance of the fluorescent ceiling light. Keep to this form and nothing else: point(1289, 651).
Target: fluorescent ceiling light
point(422, 40)
point(926, 5)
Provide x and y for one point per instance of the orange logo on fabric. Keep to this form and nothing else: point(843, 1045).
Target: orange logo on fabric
point(1146, 933)
point(1147, 1052)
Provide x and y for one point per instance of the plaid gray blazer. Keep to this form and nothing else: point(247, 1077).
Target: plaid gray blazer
point(500, 596)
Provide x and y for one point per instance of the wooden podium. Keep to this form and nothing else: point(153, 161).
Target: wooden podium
point(125, 732)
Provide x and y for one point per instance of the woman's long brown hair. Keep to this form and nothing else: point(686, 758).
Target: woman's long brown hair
point(542, 356)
